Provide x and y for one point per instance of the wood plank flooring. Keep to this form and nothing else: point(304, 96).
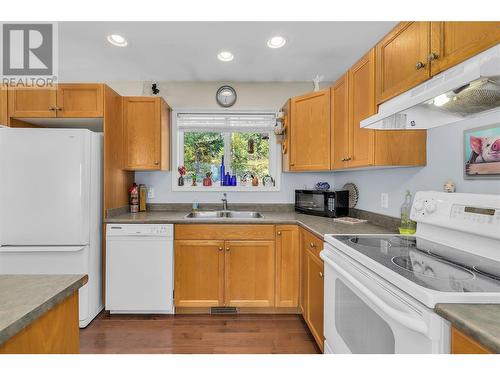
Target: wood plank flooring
point(198, 334)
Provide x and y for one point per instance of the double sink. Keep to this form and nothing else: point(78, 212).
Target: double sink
point(224, 214)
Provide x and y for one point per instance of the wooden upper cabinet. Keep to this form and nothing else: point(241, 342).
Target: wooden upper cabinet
point(199, 273)
point(287, 266)
point(3, 106)
point(454, 42)
point(402, 59)
point(340, 122)
point(146, 123)
point(361, 106)
point(249, 273)
point(80, 100)
point(310, 132)
point(285, 144)
point(32, 102)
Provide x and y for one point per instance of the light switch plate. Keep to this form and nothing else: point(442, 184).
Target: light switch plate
point(384, 200)
point(151, 192)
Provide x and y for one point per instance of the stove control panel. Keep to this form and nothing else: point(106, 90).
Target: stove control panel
point(473, 213)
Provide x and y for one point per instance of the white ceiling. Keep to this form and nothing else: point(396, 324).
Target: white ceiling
point(186, 51)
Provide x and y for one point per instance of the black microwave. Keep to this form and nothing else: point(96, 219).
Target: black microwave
point(322, 203)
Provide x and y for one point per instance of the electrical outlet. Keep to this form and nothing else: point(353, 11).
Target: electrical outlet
point(384, 200)
point(151, 192)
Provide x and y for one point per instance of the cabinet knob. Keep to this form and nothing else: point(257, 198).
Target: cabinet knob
point(52, 108)
point(227, 249)
point(221, 248)
point(312, 245)
point(157, 163)
point(59, 108)
point(432, 56)
point(348, 158)
point(321, 274)
point(419, 65)
point(279, 233)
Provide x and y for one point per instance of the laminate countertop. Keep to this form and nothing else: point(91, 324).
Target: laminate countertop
point(25, 298)
point(315, 224)
point(479, 321)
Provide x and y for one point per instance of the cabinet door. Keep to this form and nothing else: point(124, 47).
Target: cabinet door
point(402, 59)
point(315, 297)
point(249, 274)
point(199, 273)
point(287, 265)
point(310, 132)
point(454, 42)
point(303, 273)
point(361, 106)
point(32, 102)
point(141, 122)
point(80, 100)
point(3, 106)
point(340, 122)
point(463, 344)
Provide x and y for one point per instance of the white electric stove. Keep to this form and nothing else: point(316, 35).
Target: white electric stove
point(380, 290)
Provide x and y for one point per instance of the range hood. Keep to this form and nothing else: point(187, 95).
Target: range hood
point(463, 91)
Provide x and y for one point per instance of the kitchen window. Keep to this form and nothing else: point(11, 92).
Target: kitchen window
point(245, 140)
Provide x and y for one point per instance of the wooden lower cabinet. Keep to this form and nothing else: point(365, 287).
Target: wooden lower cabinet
point(249, 274)
point(315, 297)
point(220, 265)
point(55, 332)
point(312, 290)
point(199, 273)
point(463, 344)
point(287, 266)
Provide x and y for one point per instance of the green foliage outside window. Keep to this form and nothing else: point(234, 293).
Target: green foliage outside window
point(203, 153)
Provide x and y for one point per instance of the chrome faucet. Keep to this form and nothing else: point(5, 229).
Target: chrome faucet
point(224, 202)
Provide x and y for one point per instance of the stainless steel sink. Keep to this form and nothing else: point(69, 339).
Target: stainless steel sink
point(205, 215)
point(244, 215)
point(224, 214)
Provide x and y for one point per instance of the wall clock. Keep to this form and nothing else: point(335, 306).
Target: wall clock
point(226, 96)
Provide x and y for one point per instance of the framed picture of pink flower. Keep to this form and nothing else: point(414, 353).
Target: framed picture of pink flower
point(482, 152)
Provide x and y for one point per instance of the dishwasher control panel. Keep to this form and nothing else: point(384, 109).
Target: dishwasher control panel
point(156, 230)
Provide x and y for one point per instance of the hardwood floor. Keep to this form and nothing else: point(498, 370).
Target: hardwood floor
point(198, 334)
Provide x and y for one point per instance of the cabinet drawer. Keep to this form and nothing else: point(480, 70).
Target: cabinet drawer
point(311, 243)
point(224, 232)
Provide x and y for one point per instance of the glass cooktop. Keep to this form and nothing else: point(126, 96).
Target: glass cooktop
point(429, 264)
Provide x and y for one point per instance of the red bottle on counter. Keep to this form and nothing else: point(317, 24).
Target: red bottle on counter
point(134, 198)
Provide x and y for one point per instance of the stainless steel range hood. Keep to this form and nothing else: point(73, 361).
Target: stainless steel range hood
point(466, 90)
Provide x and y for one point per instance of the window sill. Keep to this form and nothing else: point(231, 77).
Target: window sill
point(215, 188)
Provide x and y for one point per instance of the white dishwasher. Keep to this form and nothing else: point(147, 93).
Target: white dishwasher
point(139, 268)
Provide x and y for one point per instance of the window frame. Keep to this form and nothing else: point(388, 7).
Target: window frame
point(178, 153)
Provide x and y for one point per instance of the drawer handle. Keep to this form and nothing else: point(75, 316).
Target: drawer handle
point(312, 245)
point(321, 274)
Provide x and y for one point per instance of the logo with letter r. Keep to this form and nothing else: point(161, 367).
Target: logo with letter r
point(27, 49)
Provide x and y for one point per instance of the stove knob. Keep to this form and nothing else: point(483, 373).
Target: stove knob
point(418, 206)
point(430, 207)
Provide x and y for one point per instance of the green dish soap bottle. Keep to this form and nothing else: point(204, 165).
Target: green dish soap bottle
point(407, 225)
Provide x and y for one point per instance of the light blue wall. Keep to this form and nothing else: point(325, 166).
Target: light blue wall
point(444, 161)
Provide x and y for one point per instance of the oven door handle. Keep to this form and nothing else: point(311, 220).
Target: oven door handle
point(402, 318)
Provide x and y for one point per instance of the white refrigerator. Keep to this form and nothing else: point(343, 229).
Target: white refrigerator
point(51, 207)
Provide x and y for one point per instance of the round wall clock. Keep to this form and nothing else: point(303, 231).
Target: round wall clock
point(226, 96)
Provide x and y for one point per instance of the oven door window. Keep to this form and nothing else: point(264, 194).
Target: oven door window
point(361, 328)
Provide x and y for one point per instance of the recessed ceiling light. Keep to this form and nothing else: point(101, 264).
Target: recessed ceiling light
point(276, 42)
point(117, 40)
point(225, 56)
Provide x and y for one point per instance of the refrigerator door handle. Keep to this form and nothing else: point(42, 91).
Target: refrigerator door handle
point(40, 249)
